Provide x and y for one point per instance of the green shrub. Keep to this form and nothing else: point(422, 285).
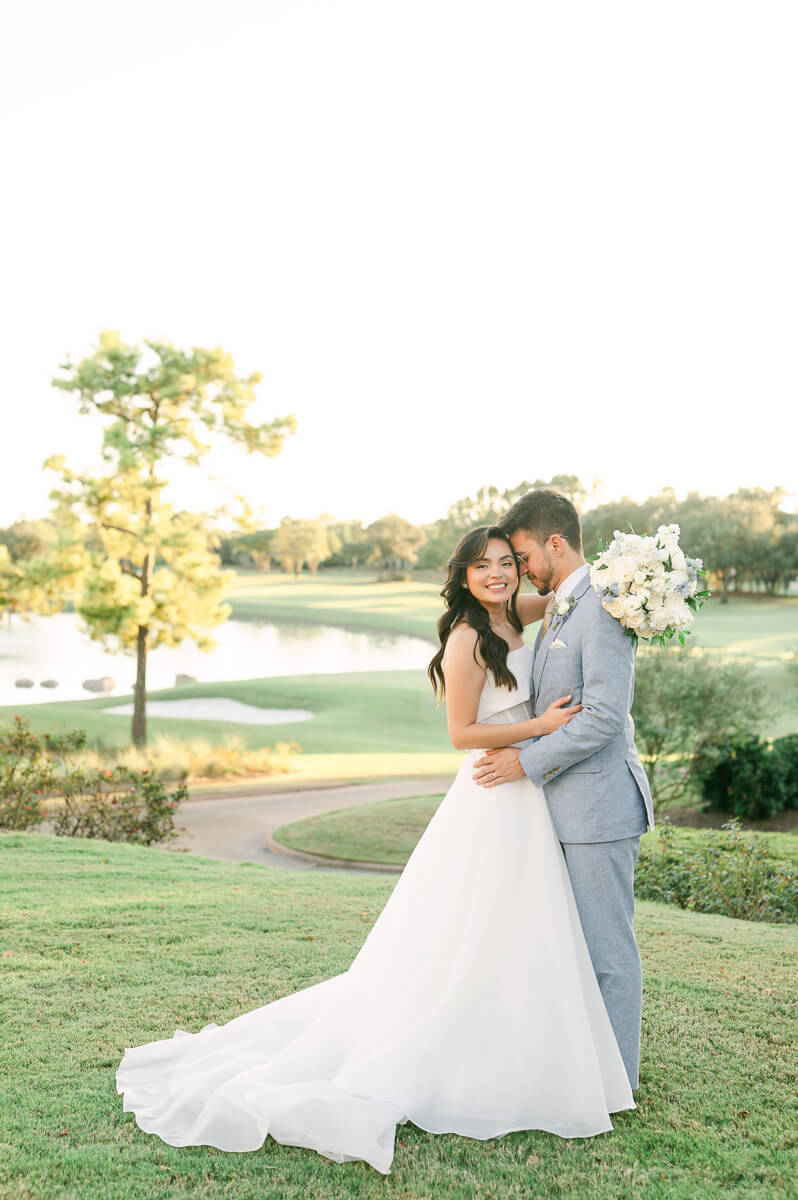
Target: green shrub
point(26, 775)
point(688, 707)
point(726, 872)
point(787, 750)
point(754, 778)
point(120, 805)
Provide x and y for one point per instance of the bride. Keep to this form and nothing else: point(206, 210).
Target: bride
point(472, 1007)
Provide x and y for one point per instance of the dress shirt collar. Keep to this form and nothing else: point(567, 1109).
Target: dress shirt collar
point(569, 583)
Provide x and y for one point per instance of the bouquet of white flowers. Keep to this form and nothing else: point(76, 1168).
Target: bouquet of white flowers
point(649, 584)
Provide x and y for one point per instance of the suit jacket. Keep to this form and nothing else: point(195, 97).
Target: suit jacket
point(595, 785)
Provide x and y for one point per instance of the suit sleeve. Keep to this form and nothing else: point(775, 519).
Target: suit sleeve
point(607, 669)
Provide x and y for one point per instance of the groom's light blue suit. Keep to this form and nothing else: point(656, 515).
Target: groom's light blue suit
point(597, 792)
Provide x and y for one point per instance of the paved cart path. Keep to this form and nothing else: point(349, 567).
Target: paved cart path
point(241, 827)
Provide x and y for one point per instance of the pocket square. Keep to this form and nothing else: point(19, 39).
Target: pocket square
point(558, 645)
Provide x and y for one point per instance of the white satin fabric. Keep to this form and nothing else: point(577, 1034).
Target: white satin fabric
point(472, 1007)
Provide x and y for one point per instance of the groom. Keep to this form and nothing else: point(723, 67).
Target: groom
point(595, 786)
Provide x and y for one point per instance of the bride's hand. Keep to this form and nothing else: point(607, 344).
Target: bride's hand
point(556, 715)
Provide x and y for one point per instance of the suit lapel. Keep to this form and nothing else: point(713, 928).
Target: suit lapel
point(542, 654)
point(535, 649)
point(543, 646)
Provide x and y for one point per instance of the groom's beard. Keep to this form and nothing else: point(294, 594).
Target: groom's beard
point(543, 583)
point(547, 578)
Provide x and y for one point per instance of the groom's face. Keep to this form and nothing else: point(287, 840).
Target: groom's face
point(535, 561)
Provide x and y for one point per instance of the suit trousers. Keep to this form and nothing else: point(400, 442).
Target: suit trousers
point(602, 877)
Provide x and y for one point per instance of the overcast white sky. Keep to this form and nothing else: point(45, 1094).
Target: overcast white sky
point(466, 243)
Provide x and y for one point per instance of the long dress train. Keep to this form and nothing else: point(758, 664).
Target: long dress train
point(472, 1007)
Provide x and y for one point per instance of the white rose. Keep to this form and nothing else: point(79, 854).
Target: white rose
point(668, 535)
point(633, 615)
point(615, 607)
point(635, 619)
point(677, 612)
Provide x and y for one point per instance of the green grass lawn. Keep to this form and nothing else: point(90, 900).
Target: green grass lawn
point(352, 600)
point(106, 946)
point(365, 712)
point(388, 830)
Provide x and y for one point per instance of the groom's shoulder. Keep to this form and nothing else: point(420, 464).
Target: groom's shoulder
point(590, 605)
point(595, 615)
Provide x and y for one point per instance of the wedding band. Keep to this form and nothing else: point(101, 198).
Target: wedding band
point(494, 775)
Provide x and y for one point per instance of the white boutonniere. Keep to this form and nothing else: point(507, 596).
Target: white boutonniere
point(563, 607)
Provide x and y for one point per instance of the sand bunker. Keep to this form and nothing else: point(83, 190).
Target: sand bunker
point(216, 708)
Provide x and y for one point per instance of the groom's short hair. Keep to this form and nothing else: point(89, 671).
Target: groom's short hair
point(543, 513)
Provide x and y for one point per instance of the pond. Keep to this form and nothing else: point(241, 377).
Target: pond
point(54, 648)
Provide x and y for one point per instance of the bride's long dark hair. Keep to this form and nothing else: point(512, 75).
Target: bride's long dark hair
point(461, 606)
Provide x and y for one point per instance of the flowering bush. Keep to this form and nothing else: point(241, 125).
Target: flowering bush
point(723, 871)
point(649, 584)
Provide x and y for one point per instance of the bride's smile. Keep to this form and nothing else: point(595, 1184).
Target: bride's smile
point(493, 578)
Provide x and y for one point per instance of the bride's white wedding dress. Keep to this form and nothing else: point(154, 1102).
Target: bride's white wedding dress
point(472, 1008)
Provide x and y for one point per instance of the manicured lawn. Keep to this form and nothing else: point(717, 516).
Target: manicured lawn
point(354, 600)
point(384, 832)
point(106, 946)
point(388, 830)
point(367, 712)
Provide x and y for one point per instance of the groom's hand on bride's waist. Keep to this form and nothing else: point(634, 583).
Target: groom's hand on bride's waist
point(498, 766)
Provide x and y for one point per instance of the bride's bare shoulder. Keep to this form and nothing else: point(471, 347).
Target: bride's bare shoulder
point(462, 644)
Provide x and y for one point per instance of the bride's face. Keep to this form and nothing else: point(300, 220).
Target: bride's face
point(493, 578)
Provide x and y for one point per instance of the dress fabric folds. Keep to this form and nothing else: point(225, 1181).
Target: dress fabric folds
point(472, 1008)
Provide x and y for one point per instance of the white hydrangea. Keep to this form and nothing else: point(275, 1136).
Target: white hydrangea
point(648, 583)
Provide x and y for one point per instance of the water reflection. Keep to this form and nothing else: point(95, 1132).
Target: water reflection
point(54, 648)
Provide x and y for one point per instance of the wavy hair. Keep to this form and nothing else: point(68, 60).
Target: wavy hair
point(461, 607)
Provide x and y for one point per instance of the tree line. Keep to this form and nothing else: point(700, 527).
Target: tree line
point(746, 540)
